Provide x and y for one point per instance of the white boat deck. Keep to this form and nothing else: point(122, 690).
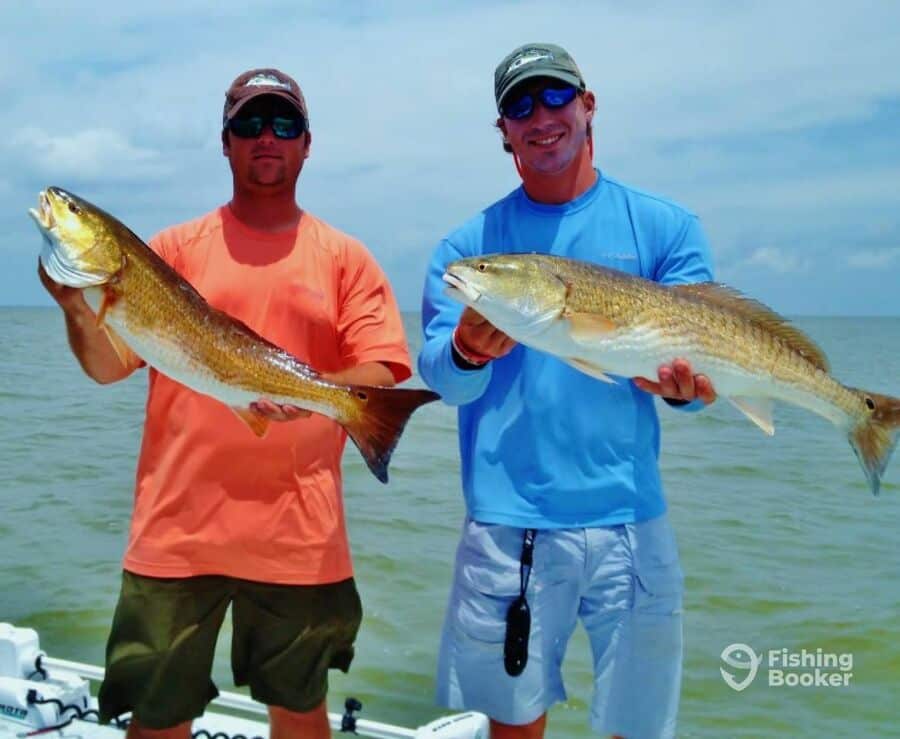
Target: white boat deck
point(45, 697)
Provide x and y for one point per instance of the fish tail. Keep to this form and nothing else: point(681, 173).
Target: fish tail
point(377, 429)
point(875, 438)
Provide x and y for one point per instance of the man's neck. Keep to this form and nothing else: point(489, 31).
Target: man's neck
point(266, 213)
point(561, 187)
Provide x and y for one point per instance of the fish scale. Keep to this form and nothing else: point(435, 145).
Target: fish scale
point(706, 336)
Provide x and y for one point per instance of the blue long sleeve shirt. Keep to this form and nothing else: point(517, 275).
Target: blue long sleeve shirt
point(543, 445)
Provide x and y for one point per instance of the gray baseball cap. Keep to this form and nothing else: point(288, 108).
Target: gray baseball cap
point(535, 60)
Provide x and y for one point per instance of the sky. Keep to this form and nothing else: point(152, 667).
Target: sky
point(778, 123)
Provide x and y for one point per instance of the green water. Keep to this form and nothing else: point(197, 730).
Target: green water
point(782, 544)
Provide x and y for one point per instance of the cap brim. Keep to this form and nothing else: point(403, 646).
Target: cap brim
point(561, 75)
point(233, 111)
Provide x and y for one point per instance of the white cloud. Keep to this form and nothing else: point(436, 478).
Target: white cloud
point(777, 260)
point(874, 258)
point(94, 154)
point(401, 103)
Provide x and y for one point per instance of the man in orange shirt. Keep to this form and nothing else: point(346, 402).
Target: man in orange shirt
point(221, 517)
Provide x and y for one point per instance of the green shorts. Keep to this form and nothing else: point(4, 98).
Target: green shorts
point(285, 638)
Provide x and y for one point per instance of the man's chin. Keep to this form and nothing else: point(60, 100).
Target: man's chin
point(548, 163)
point(268, 178)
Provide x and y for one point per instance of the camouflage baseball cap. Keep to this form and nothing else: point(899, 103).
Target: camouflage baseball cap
point(535, 60)
point(256, 82)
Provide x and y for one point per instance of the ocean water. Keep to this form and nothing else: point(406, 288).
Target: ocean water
point(782, 544)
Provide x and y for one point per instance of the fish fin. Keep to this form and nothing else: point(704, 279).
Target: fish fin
point(875, 439)
point(589, 368)
point(106, 302)
point(376, 428)
point(585, 327)
point(123, 351)
point(758, 410)
point(258, 423)
point(759, 314)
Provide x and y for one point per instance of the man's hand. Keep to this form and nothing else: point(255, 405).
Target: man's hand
point(678, 382)
point(70, 299)
point(88, 341)
point(476, 337)
point(274, 412)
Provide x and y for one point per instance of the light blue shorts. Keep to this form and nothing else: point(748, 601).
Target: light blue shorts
point(625, 585)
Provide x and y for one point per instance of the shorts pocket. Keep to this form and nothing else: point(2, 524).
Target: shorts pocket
point(659, 590)
point(487, 580)
point(659, 580)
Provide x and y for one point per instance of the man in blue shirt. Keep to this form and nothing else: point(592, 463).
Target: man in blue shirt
point(566, 517)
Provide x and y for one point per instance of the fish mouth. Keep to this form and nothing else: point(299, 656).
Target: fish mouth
point(43, 215)
point(459, 285)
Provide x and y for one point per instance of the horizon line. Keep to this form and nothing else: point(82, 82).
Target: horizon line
point(417, 310)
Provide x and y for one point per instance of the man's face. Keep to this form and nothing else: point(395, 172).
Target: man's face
point(266, 161)
point(549, 139)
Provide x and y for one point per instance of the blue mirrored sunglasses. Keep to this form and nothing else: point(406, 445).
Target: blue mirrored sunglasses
point(522, 106)
point(284, 127)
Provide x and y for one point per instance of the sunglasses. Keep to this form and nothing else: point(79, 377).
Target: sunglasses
point(521, 107)
point(284, 127)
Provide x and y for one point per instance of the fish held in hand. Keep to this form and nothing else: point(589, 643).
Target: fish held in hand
point(145, 305)
point(606, 322)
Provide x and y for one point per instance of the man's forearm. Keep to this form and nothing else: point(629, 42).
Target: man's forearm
point(92, 347)
point(367, 373)
point(456, 385)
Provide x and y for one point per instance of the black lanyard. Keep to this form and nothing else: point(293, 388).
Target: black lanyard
point(526, 560)
point(518, 617)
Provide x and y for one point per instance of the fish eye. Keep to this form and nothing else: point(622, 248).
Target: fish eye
point(482, 267)
point(870, 404)
point(74, 208)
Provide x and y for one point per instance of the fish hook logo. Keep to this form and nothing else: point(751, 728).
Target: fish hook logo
point(740, 657)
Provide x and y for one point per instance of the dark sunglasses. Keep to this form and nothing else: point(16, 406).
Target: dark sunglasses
point(522, 106)
point(284, 127)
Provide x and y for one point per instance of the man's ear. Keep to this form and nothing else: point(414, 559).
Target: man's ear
point(501, 124)
point(225, 142)
point(590, 105)
point(308, 135)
